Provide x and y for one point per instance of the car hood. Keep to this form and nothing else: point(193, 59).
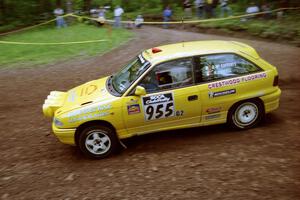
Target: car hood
point(82, 95)
point(87, 93)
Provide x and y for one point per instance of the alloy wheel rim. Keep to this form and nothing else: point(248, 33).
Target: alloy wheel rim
point(97, 142)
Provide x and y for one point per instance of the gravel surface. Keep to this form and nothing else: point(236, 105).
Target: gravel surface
point(200, 163)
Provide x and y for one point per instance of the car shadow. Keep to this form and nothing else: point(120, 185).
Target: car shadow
point(165, 141)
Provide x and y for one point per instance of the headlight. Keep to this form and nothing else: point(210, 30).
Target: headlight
point(57, 122)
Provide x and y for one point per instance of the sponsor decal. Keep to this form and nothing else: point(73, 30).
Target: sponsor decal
point(88, 110)
point(132, 101)
point(225, 65)
point(72, 96)
point(221, 93)
point(158, 106)
point(213, 110)
point(87, 117)
point(141, 59)
point(214, 116)
point(235, 81)
point(179, 113)
point(224, 83)
point(133, 109)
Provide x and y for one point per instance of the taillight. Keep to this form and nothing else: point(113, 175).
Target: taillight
point(276, 81)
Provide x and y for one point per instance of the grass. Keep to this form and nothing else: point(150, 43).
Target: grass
point(32, 55)
point(287, 28)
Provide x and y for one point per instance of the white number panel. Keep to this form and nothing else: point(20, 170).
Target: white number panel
point(158, 106)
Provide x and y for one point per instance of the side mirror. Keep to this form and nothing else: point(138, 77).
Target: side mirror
point(139, 91)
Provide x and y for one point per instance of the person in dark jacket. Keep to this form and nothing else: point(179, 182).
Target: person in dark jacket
point(167, 13)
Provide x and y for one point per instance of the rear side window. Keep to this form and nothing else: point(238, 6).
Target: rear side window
point(220, 66)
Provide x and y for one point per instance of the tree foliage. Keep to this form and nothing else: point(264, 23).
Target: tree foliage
point(17, 13)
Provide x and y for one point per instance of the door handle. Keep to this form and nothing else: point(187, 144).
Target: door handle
point(193, 97)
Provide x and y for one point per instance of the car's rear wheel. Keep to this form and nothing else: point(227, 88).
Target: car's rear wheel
point(98, 141)
point(246, 114)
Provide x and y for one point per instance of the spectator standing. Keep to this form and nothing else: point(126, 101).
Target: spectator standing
point(94, 12)
point(209, 8)
point(139, 21)
point(225, 8)
point(214, 6)
point(199, 5)
point(118, 16)
point(101, 16)
point(266, 8)
point(252, 9)
point(60, 22)
point(187, 6)
point(167, 13)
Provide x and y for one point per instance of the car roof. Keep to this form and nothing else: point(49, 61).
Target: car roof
point(188, 49)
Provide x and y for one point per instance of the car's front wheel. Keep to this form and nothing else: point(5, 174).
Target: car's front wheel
point(246, 114)
point(98, 141)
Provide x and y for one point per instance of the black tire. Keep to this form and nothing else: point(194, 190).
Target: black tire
point(98, 141)
point(246, 114)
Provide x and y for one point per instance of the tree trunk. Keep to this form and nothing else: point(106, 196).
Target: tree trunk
point(69, 6)
point(58, 3)
point(45, 8)
point(87, 5)
point(2, 12)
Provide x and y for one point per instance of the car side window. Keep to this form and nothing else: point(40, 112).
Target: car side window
point(169, 75)
point(219, 66)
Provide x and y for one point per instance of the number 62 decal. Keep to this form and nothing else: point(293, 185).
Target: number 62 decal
point(158, 106)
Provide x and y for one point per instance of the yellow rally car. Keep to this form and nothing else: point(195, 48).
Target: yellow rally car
point(168, 87)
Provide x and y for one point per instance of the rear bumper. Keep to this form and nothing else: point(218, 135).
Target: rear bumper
point(271, 101)
point(66, 136)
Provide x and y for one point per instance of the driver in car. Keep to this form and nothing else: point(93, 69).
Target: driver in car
point(149, 83)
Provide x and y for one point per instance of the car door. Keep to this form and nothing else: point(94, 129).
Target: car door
point(222, 80)
point(172, 99)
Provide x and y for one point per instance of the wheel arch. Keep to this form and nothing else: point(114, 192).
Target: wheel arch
point(80, 128)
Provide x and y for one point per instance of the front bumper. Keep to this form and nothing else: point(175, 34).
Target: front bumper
point(54, 101)
point(66, 136)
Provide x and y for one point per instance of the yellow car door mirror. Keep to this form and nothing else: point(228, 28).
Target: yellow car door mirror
point(140, 91)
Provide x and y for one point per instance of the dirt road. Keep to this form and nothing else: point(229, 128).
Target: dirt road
point(200, 163)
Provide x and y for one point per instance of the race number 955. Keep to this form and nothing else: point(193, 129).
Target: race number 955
point(158, 106)
point(157, 111)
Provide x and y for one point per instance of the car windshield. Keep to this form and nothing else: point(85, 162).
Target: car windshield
point(124, 78)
